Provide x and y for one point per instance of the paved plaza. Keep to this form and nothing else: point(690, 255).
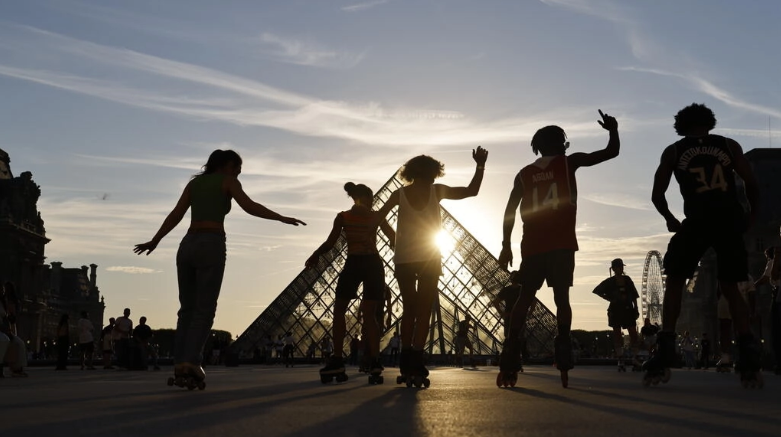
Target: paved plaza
point(274, 401)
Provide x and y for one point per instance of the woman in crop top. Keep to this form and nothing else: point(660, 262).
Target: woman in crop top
point(200, 261)
point(417, 258)
point(363, 265)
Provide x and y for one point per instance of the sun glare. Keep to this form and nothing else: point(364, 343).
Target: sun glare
point(445, 242)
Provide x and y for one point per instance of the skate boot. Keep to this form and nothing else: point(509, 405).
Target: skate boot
point(563, 356)
point(375, 372)
point(749, 362)
point(509, 364)
point(637, 365)
point(404, 366)
point(188, 375)
point(657, 368)
point(724, 365)
point(334, 369)
point(419, 370)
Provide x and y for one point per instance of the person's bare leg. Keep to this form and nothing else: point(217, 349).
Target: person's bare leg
point(738, 308)
point(340, 309)
point(563, 309)
point(409, 297)
point(371, 328)
point(671, 307)
point(427, 292)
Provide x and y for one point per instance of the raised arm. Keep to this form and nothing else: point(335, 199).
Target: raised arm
point(577, 160)
point(480, 155)
point(329, 243)
point(253, 208)
point(661, 182)
point(744, 170)
point(393, 201)
point(170, 222)
point(506, 256)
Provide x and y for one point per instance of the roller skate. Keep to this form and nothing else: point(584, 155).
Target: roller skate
point(375, 372)
point(509, 364)
point(188, 375)
point(365, 364)
point(724, 365)
point(563, 356)
point(413, 371)
point(334, 369)
point(749, 362)
point(657, 368)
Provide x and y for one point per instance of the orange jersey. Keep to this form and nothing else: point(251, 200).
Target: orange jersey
point(548, 206)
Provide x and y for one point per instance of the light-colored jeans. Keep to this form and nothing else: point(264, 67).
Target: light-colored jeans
point(200, 264)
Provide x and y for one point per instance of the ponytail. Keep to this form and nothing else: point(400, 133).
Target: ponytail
point(218, 159)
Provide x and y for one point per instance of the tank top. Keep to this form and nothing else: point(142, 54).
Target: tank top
point(360, 233)
point(548, 207)
point(705, 171)
point(416, 230)
point(207, 199)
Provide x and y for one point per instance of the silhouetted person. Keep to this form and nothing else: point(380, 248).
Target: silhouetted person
point(395, 344)
point(705, 166)
point(462, 341)
point(107, 343)
point(200, 260)
point(63, 343)
point(546, 192)
point(623, 312)
point(142, 334)
point(363, 266)
point(86, 341)
point(705, 351)
point(772, 277)
point(123, 330)
point(417, 257)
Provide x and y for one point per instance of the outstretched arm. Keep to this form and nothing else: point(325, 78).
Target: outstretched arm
point(610, 151)
point(393, 201)
point(516, 195)
point(661, 182)
point(329, 243)
point(480, 155)
point(170, 222)
point(253, 208)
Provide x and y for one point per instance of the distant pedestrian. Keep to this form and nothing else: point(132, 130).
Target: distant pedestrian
point(395, 344)
point(143, 335)
point(623, 311)
point(288, 349)
point(123, 329)
point(86, 341)
point(705, 351)
point(687, 346)
point(63, 343)
point(107, 343)
point(772, 277)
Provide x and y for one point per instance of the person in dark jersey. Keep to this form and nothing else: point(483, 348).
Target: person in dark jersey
point(200, 260)
point(623, 312)
point(417, 258)
point(705, 166)
point(363, 266)
point(546, 192)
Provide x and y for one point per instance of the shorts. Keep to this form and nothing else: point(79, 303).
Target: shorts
point(688, 245)
point(556, 267)
point(623, 319)
point(419, 269)
point(366, 269)
point(87, 347)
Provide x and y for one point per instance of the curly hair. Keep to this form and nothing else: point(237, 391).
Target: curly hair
point(547, 137)
point(694, 116)
point(422, 167)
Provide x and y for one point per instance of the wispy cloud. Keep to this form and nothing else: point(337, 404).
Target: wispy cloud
point(134, 270)
point(231, 99)
point(621, 200)
point(363, 6)
point(296, 51)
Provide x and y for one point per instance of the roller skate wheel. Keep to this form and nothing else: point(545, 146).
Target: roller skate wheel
point(409, 382)
point(426, 382)
point(499, 379)
point(380, 379)
point(342, 377)
point(399, 379)
point(201, 385)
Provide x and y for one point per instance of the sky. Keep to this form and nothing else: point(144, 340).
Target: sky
point(114, 105)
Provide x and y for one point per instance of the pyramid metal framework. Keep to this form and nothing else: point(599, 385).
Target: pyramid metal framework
point(471, 279)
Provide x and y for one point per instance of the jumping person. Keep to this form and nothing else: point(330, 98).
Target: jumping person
point(200, 261)
point(623, 312)
point(363, 265)
point(417, 257)
point(705, 166)
point(546, 192)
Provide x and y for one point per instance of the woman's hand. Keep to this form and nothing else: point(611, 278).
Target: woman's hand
point(480, 155)
point(147, 247)
point(292, 221)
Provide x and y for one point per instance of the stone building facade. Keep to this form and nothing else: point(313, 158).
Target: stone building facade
point(44, 291)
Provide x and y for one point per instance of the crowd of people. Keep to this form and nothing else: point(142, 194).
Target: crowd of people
point(544, 193)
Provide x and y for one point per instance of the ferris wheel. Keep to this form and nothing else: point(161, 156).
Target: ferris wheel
point(653, 287)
